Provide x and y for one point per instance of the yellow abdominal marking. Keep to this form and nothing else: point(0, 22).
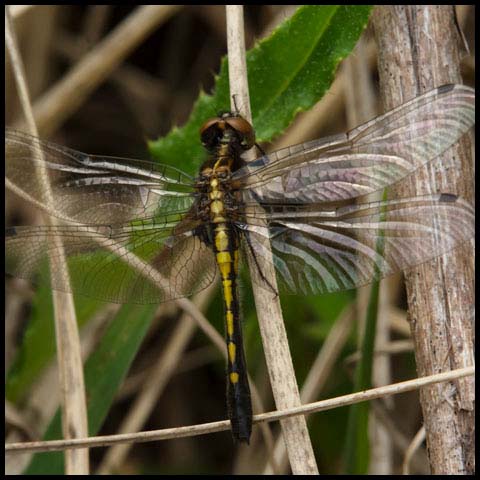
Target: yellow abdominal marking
point(231, 351)
point(224, 257)
point(221, 240)
point(225, 269)
point(229, 316)
point(225, 264)
point(227, 292)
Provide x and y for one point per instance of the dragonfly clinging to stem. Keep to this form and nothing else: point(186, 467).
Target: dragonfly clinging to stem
point(141, 232)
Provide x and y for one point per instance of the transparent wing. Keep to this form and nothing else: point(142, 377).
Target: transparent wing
point(141, 262)
point(365, 159)
point(93, 189)
point(324, 250)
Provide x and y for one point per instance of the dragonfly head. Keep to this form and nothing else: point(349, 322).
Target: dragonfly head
point(214, 131)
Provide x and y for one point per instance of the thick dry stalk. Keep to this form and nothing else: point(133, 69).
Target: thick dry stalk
point(69, 358)
point(272, 328)
point(418, 50)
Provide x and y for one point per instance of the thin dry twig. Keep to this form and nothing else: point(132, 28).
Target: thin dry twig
point(274, 337)
point(399, 440)
point(391, 348)
point(412, 448)
point(74, 410)
point(139, 85)
point(180, 432)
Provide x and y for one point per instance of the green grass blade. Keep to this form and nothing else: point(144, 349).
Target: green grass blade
point(104, 372)
point(357, 449)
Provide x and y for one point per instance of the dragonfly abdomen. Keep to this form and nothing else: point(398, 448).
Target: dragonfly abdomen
point(226, 246)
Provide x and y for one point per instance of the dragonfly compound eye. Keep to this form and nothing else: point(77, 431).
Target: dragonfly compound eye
point(243, 129)
point(211, 132)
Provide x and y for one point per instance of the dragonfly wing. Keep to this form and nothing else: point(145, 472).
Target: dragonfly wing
point(114, 263)
point(366, 159)
point(92, 189)
point(319, 251)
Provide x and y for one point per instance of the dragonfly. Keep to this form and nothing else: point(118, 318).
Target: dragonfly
point(143, 232)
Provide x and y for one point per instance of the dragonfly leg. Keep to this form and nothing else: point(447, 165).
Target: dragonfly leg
point(259, 271)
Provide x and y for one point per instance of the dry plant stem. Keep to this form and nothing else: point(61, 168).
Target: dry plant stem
point(180, 432)
point(418, 50)
point(325, 361)
point(69, 358)
point(318, 374)
point(275, 342)
point(37, 34)
point(396, 346)
point(159, 375)
point(412, 448)
point(69, 93)
point(399, 440)
point(237, 62)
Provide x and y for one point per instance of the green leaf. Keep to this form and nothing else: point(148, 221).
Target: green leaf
point(288, 72)
point(105, 370)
